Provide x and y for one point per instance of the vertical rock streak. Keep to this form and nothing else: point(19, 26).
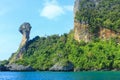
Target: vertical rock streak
point(81, 30)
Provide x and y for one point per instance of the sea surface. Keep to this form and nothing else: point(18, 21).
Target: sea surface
point(59, 75)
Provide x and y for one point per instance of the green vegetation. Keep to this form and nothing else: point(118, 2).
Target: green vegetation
point(4, 62)
point(104, 14)
point(43, 52)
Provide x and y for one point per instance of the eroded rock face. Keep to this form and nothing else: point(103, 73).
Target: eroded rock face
point(24, 29)
point(81, 32)
point(76, 6)
point(81, 29)
point(61, 67)
point(105, 33)
point(15, 67)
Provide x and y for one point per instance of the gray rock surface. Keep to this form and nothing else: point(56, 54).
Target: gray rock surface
point(77, 4)
point(61, 67)
point(15, 67)
point(24, 29)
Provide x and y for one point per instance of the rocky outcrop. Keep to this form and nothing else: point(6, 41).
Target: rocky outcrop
point(76, 6)
point(15, 67)
point(81, 29)
point(25, 31)
point(60, 66)
point(105, 33)
point(81, 32)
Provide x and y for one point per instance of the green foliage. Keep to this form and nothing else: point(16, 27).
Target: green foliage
point(104, 14)
point(4, 62)
point(43, 52)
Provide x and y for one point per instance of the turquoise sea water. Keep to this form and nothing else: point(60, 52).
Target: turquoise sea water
point(59, 75)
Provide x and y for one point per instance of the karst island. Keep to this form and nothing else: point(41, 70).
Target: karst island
point(92, 45)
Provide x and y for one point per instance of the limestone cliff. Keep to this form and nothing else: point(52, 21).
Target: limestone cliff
point(81, 32)
point(25, 31)
point(81, 29)
point(91, 23)
point(105, 33)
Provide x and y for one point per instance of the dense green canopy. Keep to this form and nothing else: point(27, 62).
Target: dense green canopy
point(104, 14)
point(43, 52)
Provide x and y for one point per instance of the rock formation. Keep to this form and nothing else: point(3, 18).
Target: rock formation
point(76, 6)
point(82, 28)
point(16, 67)
point(25, 31)
point(105, 33)
point(62, 66)
point(81, 32)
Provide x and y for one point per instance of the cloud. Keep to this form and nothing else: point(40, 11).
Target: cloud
point(52, 9)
